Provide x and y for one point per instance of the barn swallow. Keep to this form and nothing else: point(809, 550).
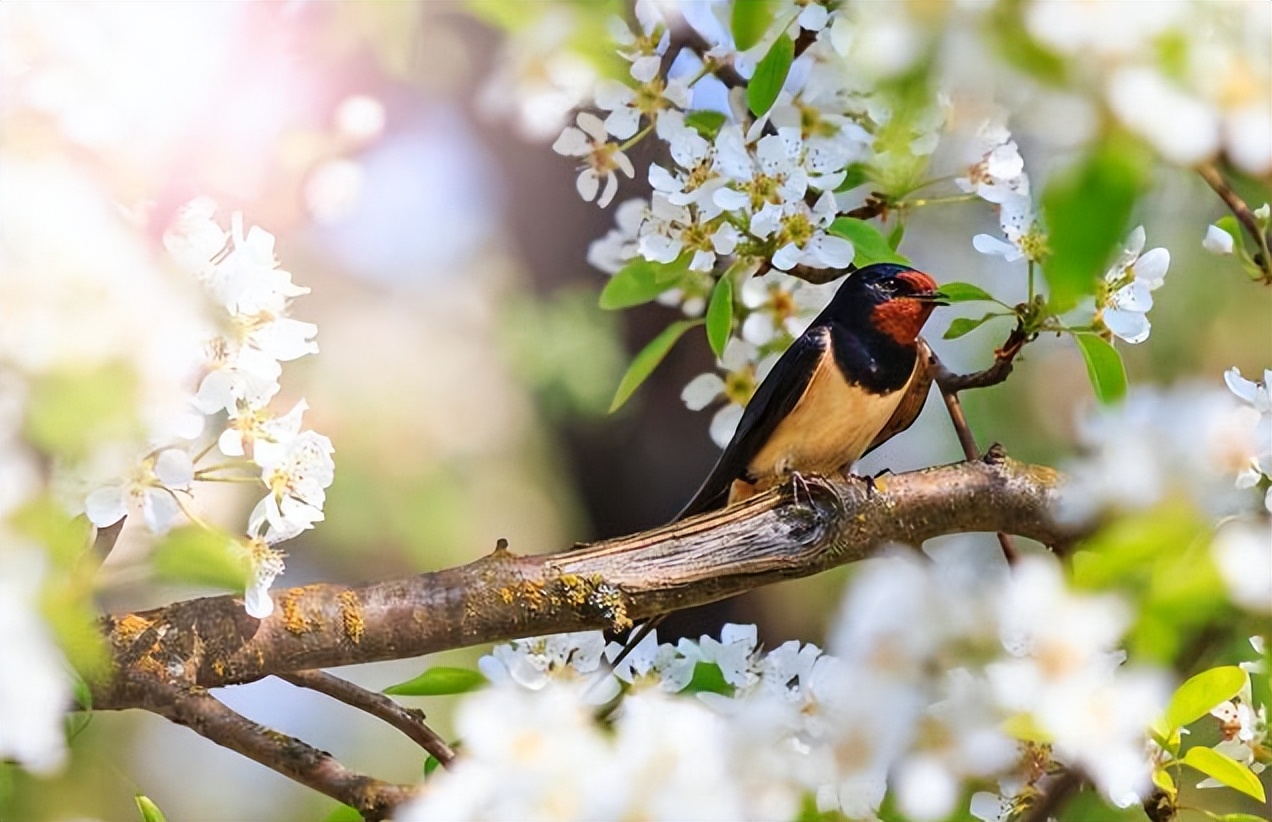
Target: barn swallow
point(854, 379)
point(848, 384)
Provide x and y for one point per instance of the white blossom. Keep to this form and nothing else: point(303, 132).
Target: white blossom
point(619, 245)
point(296, 475)
point(266, 564)
point(741, 376)
point(1129, 285)
point(779, 304)
point(1217, 241)
point(1259, 397)
point(533, 663)
point(602, 159)
point(149, 489)
point(1243, 554)
point(645, 50)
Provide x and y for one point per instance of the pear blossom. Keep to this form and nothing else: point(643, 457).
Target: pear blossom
point(670, 230)
point(266, 564)
point(1000, 171)
point(1217, 241)
point(150, 489)
point(800, 234)
point(741, 376)
point(533, 663)
point(627, 105)
point(1259, 397)
point(1128, 288)
point(603, 158)
point(645, 50)
point(1019, 225)
point(1242, 554)
point(779, 304)
point(258, 434)
point(697, 177)
point(35, 689)
point(1245, 733)
point(767, 172)
point(619, 245)
point(296, 475)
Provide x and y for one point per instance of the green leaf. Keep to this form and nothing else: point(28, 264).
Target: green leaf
point(149, 810)
point(960, 326)
point(720, 315)
point(1163, 780)
point(1228, 771)
point(71, 410)
point(856, 176)
point(431, 764)
point(439, 681)
point(644, 363)
point(869, 244)
point(1203, 692)
point(1087, 209)
point(965, 293)
point(1230, 225)
point(1104, 367)
point(706, 122)
point(770, 75)
point(708, 678)
point(1239, 817)
point(751, 18)
point(344, 813)
point(639, 282)
point(192, 554)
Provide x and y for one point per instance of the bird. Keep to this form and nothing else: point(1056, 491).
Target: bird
point(854, 379)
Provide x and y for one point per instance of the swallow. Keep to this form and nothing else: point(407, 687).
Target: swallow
point(857, 377)
point(854, 379)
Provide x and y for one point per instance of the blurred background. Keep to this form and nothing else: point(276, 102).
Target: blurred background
point(401, 155)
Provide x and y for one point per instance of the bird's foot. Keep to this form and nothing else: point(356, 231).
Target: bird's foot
point(873, 486)
point(797, 483)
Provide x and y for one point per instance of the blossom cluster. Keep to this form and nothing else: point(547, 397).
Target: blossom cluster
point(924, 682)
point(241, 366)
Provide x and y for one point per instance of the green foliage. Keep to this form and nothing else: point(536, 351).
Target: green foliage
point(751, 18)
point(1008, 34)
point(960, 326)
point(1229, 772)
point(343, 813)
point(148, 809)
point(720, 315)
point(965, 293)
point(1087, 208)
point(855, 176)
point(644, 363)
point(1202, 693)
point(869, 244)
point(439, 681)
point(706, 122)
point(1104, 367)
point(640, 281)
point(708, 678)
point(71, 410)
point(770, 75)
point(201, 556)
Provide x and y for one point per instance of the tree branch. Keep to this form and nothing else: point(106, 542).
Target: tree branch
point(1243, 214)
point(194, 707)
point(213, 642)
point(409, 721)
point(1004, 361)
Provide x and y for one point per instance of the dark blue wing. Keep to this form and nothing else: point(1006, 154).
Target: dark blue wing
point(775, 397)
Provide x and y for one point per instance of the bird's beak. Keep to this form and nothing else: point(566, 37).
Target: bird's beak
point(933, 297)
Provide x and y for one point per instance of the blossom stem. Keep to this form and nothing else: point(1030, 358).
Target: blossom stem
point(203, 452)
point(1242, 212)
point(637, 137)
point(919, 203)
point(185, 509)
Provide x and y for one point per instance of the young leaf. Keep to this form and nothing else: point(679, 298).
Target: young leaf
point(637, 282)
point(708, 678)
point(770, 75)
point(1228, 771)
point(197, 555)
point(1087, 209)
point(867, 241)
point(1203, 692)
point(343, 813)
point(896, 235)
point(1104, 367)
point(960, 326)
point(751, 19)
point(439, 681)
point(706, 122)
point(965, 293)
point(148, 809)
point(856, 175)
point(647, 360)
point(720, 315)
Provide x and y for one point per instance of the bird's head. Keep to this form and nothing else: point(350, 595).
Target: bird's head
point(900, 299)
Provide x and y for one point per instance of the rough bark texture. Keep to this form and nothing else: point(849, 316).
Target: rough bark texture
point(795, 531)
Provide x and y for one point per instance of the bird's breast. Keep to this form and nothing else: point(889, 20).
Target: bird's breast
point(830, 427)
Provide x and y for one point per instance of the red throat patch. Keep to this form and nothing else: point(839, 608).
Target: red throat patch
point(902, 318)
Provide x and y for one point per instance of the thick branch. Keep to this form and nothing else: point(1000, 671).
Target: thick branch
point(213, 642)
point(409, 721)
point(194, 707)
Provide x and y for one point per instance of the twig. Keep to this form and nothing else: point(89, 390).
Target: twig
point(409, 721)
point(198, 710)
point(1054, 796)
point(1004, 361)
point(966, 439)
point(1243, 214)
